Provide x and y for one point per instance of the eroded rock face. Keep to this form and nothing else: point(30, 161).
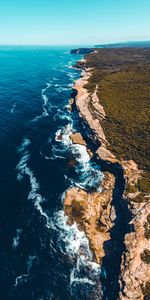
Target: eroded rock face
point(106, 155)
point(81, 51)
point(83, 101)
point(92, 213)
point(134, 272)
point(131, 170)
point(71, 102)
point(77, 138)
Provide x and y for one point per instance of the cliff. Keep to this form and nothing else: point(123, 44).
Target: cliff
point(82, 51)
point(88, 209)
point(93, 214)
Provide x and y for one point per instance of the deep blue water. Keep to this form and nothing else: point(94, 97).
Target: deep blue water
point(41, 257)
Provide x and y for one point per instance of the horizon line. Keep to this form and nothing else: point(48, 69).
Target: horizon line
point(77, 44)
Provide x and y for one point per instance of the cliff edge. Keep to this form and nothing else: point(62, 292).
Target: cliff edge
point(93, 103)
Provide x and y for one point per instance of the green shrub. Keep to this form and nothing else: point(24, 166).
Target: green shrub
point(147, 228)
point(124, 91)
point(148, 218)
point(145, 256)
point(146, 291)
point(131, 188)
point(139, 198)
point(144, 183)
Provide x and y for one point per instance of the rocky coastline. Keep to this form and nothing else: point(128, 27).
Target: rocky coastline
point(94, 212)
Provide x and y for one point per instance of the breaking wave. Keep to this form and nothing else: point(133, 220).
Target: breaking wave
point(69, 240)
point(24, 170)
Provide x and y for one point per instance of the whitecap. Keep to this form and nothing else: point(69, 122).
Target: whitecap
point(16, 239)
point(71, 75)
point(88, 174)
point(24, 277)
point(23, 169)
point(13, 108)
point(60, 89)
point(75, 244)
point(46, 106)
point(77, 280)
point(60, 115)
point(20, 279)
point(25, 143)
point(74, 239)
point(63, 135)
point(30, 261)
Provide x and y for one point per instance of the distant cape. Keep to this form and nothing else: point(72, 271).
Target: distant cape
point(139, 44)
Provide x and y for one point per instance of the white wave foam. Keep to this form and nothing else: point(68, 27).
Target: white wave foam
point(23, 169)
point(88, 174)
point(25, 143)
point(81, 155)
point(16, 239)
point(60, 89)
point(46, 106)
point(45, 99)
point(91, 270)
point(22, 166)
point(63, 135)
point(30, 261)
point(24, 277)
point(75, 241)
point(77, 280)
point(13, 108)
point(71, 75)
point(62, 115)
point(57, 153)
point(45, 156)
point(20, 279)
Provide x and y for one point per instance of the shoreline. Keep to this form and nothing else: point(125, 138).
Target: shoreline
point(82, 102)
point(131, 258)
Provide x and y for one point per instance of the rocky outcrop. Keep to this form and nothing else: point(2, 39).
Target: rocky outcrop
point(70, 105)
point(81, 64)
point(84, 103)
point(82, 51)
point(135, 273)
point(77, 138)
point(93, 213)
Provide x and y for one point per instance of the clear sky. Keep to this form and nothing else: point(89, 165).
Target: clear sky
point(55, 22)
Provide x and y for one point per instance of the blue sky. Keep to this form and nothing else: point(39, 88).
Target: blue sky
point(73, 21)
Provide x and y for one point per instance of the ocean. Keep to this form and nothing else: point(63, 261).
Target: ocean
point(41, 256)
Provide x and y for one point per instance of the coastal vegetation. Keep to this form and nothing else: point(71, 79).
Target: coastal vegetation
point(145, 256)
point(147, 228)
point(122, 78)
point(146, 291)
